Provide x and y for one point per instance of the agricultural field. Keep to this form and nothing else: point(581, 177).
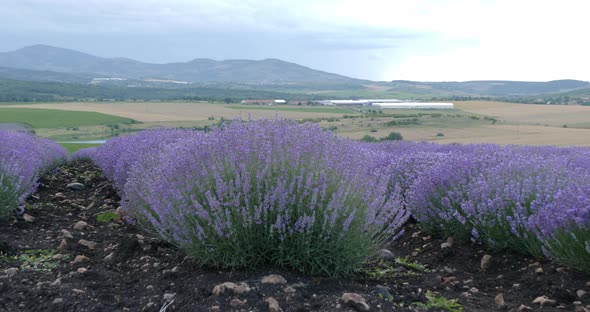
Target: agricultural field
point(470, 122)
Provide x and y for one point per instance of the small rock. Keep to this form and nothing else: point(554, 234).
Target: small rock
point(169, 296)
point(560, 269)
point(445, 245)
point(110, 257)
point(290, 290)
point(588, 284)
point(486, 262)
point(473, 290)
point(57, 257)
point(58, 301)
point(82, 270)
point(383, 292)
point(80, 259)
point(448, 279)
point(216, 308)
point(80, 226)
point(240, 288)
point(274, 279)
point(539, 270)
point(149, 287)
point(78, 291)
point(28, 218)
point(11, 272)
point(385, 254)
point(416, 234)
point(534, 264)
point(57, 282)
point(75, 186)
point(545, 301)
point(273, 305)
point(522, 308)
point(67, 234)
point(499, 300)
point(237, 302)
point(581, 293)
point(86, 243)
point(355, 300)
point(577, 303)
point(119, 211)
point(59, 195)
point(174, 269)
point(427, 238)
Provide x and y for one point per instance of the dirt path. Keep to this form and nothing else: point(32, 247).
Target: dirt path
point(57, 263)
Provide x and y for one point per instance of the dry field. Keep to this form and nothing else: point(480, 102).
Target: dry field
point(516, 123)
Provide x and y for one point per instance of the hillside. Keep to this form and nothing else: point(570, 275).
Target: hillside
point(267, 71)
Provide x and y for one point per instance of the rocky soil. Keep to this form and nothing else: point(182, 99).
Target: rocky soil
point(71, 252)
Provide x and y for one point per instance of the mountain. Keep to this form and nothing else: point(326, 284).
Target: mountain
point(267, 71)
point(7, 73)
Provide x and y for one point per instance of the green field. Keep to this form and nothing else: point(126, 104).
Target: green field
point(73, 147)
point(301, 109)
point(50, 118)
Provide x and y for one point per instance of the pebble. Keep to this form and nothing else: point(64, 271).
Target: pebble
point(11, 272)
point(290, 290)
point(273, 305)
point(59, 195)
point(57, 282)
point(80, 259)
point(216, 308)
point(383, 292)
point(67, 234)
point(240, 288)
point(75, 186)
point(58, 301)
point(237, 302)
point(78, 291)
point(523, 307)
point(544, 301)
point(82, 270)
point(86, 243)
point(57, 257)
point(385, 254)
point(473, 290)
point(149, 287)
point(539, 270)
point(28, 218)
point(499, 300)
point(486, 262)
point(581, 293)
point(169, 296)
point(80, 225)
point(273, 279)
point(448, 243)
point(110, 257)
point(355, 300)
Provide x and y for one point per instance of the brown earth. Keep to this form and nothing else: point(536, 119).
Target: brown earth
point(130, 270)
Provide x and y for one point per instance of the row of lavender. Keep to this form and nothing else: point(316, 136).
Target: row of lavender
point(293, 195)
point(525, 199)
point(267, 192)
point(23, 158)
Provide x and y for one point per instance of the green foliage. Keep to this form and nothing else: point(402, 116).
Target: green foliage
point(107, 216)
point(411, 265)
point(368, 138)
point(440, 134)
point(393, 136)
point(8, 194)
point(571, 247)
point(439, 302)
point(38, 260)
point(52, 118)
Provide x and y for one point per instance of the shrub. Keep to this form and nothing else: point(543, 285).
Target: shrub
point(393, 136)
point(23, 158)
point(368, 138)
point(266, 192)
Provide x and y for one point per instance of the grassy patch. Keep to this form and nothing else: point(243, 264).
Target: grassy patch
point(74, 147)
point(301, 109)
point(52, 118)
point(36, 260)
point(439, 302)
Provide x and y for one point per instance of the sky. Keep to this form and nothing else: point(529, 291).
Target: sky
point(442, 40)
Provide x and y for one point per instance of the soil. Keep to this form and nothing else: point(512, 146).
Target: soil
point(131, 270)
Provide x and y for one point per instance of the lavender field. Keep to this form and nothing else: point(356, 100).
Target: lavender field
point(23, 158)
point(299, 197)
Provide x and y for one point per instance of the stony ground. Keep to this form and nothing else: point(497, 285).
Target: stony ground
point(70, 252)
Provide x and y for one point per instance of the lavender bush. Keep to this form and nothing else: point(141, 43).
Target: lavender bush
point(266, 192)
point(23, 157)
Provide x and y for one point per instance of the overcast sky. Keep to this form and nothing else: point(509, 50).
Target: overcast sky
point(374, 39)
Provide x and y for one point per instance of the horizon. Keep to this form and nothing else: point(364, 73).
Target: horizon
point(450, 40)
point(273, 58)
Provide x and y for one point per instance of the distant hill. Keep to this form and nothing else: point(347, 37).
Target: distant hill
point(268, 71)
point(38, 75)
point(500, 88)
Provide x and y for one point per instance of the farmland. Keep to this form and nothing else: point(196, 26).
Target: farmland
point(470, 122)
